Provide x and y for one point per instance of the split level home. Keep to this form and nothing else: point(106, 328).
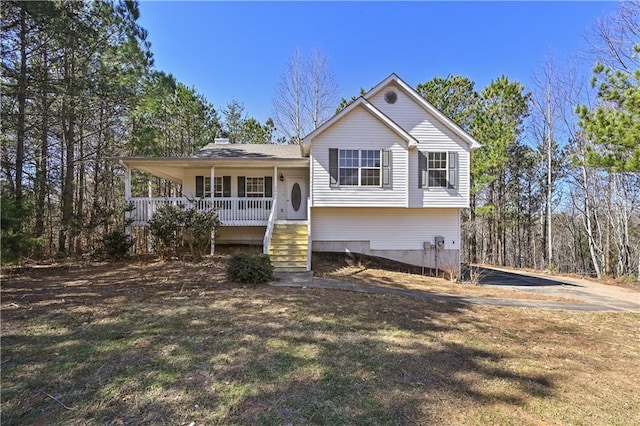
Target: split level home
point(387, 176)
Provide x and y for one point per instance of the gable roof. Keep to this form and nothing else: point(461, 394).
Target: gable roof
point(409, 91)
point(371, 109)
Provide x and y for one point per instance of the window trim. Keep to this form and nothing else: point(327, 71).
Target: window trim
point(443, 170)
point(254, 194)
point(360, 168)
point(218, 180)
point(451, 170)
point(207, 187)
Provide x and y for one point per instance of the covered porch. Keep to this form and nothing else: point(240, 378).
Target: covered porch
point(232, 211)
point(259, 192)
point(247, 185)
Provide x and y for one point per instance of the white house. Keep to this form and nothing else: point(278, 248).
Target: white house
point(387, 176)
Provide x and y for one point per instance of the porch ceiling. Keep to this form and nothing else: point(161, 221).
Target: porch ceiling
point(173, 174)
point(173, 168)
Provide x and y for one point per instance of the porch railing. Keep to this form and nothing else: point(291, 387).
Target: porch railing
point(232, 211)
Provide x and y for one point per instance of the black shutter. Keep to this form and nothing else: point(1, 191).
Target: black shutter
point(386, 168)
point(453, 170)
point(268, 191)
point(199, 186)
point(333, 167)
point(241, 186)
point(268, 186)
point(226, 186)
point(241, 192)
point(422, 169)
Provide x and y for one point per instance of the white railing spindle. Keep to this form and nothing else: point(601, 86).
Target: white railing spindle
point(232, 211)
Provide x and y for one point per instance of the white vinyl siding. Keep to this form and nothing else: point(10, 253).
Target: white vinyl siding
point(387, 228)
point(433, 137)
point(359, 130)
point(189, 183)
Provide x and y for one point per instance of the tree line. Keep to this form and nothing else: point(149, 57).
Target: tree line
point(556, 184)
point(78, 89)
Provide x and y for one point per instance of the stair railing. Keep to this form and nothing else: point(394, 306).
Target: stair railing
point(309, 240)
point(270, 224)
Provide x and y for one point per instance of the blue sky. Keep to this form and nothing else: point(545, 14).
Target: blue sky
point(239, 50)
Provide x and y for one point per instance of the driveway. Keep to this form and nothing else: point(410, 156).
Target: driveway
point(588, 292)
point(590, 296)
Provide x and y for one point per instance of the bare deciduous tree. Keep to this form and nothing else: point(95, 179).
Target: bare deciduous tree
point(614, 37)
point(306, 94)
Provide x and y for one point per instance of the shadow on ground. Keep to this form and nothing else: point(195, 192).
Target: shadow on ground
point(174, 344)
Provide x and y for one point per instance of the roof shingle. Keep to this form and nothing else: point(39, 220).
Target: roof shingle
point(249, 151)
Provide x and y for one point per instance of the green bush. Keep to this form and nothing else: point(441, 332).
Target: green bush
point(250, 268)
point(16, 239)
point(177, 230)
point(116, 245)
point(164, 227)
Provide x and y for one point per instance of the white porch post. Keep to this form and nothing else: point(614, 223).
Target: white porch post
point(127, 197)
point(127, 184)
point(275, 183)
point(211, 188)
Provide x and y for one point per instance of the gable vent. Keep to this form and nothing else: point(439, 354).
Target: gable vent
point(391, 97)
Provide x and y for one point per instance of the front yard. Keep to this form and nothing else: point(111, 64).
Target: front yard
point(174, 343)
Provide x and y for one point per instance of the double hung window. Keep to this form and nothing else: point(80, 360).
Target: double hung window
point(217, 187)
point(203, 186)
point(221, 186)
point(254, 187)
point(359, 167)
point(438, 169)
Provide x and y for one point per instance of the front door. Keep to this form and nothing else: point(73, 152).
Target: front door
point(296, 199)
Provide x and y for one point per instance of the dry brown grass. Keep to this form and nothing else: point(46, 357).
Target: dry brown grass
point(364, 270)
point(174, 343)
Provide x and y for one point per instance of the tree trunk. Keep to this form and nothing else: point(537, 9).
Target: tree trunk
point(42, 157)
point(68, 124)
point(22, 103)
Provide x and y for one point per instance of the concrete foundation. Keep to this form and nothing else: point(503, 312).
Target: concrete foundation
point(448, 260)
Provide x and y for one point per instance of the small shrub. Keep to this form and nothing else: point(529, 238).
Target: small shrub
point(178, 230)
point(116, 245)
point(16, 240)
point(164, 227)
point(250, 268)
